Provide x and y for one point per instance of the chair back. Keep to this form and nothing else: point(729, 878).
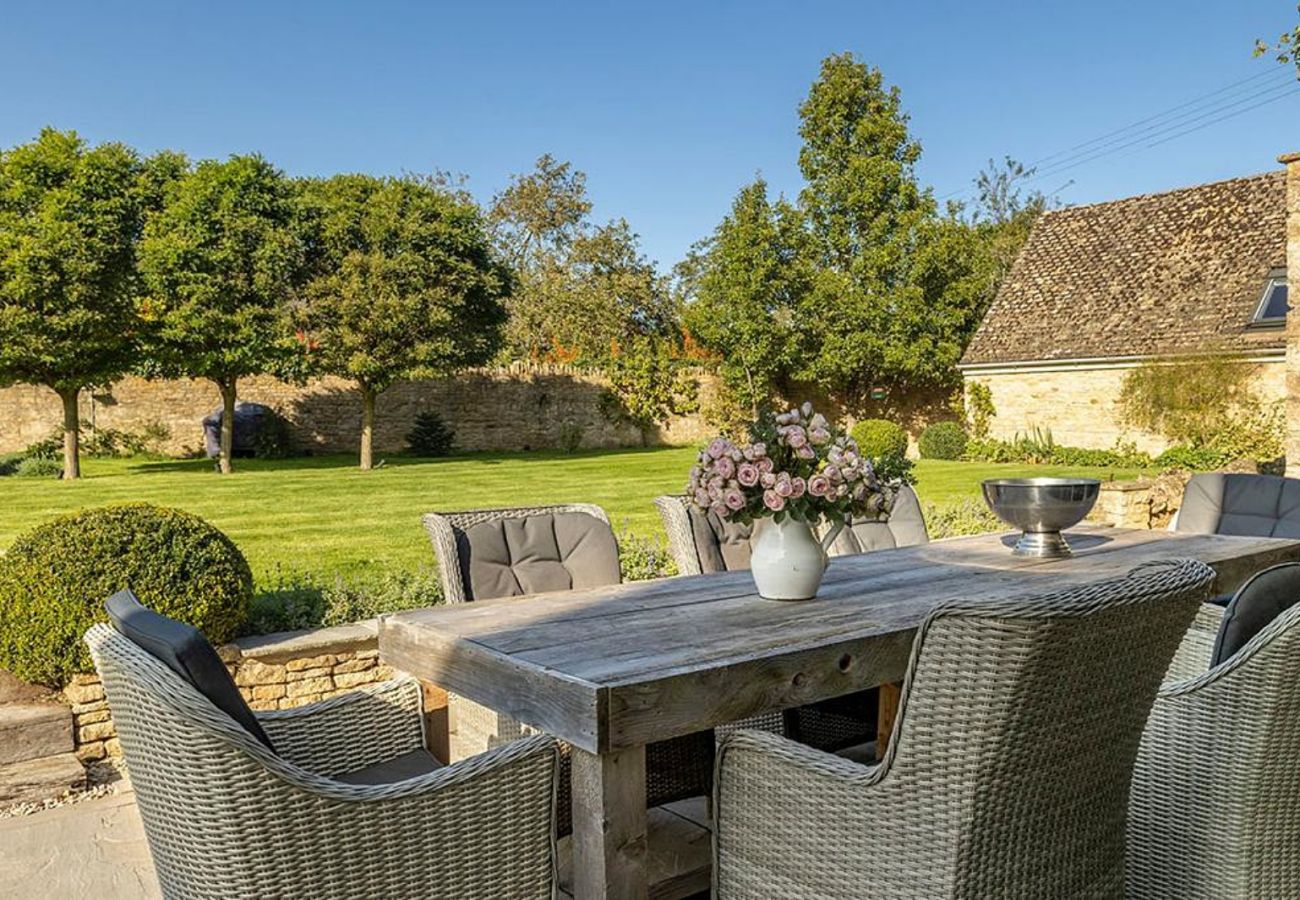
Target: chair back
point(1240, 504)
point(487, 553)
point(702, 542)
point(902, 526)
point(1021, 720)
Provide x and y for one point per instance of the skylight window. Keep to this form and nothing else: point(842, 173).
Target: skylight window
point(1272, 305)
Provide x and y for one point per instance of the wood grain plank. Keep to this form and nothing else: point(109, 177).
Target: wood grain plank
point(609, 825)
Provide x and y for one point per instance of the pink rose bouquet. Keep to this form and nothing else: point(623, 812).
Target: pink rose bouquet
point(796, 464)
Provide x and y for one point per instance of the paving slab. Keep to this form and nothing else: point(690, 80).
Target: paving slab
point(93, 849)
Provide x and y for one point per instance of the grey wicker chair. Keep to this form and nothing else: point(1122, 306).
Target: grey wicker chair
point(1243, 504)
point(488, 553)
point(1215, 805)
point(226, 816)
point(987, 788)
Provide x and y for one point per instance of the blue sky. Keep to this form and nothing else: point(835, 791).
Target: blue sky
point(669, 107)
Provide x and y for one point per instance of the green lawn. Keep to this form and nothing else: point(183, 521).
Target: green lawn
point(322, 515)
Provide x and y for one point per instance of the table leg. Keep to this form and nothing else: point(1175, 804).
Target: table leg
point(890, 694)
point(437, 731)
point(609, 825)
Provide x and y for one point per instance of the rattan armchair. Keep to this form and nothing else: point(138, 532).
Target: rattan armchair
point(1215, 805)
point(677, 768)
point(1007, 774)
point(226, 816)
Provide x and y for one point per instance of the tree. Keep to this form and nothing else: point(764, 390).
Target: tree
point(880, 311)
point(1004, 214)
point(581, 287)
point(1287, 48)
point(404, 284)
point(69, 219)
point(219, 262)
point(648, 383)
point(747, 283)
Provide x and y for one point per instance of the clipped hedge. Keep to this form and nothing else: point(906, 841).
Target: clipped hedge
point(942, 440)
point(880, 439)
point(54, 579)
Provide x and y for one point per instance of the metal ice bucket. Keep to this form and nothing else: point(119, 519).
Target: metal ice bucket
point(1041, 508)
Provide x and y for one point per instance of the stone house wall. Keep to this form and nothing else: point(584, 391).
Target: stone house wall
point(521, 407)
point(279, 671)
point(1080, 403)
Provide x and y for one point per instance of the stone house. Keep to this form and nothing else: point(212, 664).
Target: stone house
point(1100, 289)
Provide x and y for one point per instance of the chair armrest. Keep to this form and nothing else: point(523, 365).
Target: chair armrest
point(1192, 658)
point(350, 731)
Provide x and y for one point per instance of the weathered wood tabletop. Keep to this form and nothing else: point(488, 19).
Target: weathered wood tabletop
point(610, 670)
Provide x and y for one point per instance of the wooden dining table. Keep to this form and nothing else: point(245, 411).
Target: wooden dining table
point(611, 669)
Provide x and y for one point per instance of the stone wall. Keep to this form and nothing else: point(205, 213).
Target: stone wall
point(1079, 404)
point(278, 671)
point(520, 407)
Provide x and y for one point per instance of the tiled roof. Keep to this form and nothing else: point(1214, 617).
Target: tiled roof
point(1177, 272)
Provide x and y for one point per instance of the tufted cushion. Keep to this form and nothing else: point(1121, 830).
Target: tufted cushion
point(533, 554)
point(903, 527)
point(1264, 597)
point(1252, 505)
point(721, 546)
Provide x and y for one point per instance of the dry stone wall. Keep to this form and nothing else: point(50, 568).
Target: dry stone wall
point(521, 407)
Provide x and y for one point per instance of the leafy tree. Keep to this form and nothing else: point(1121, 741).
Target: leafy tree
point(745, 284)
point(581, 287)
point(1004, 214)
point(1287, 48)
point(649, 384)
point(404, 284)
point(69, 218)
point(219, 262)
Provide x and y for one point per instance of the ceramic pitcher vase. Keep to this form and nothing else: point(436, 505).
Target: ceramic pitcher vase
point(787, 560)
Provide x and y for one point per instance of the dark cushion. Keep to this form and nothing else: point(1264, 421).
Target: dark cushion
point(1239, 504)
point(720, 545)
point(904, 526)
point(399, 768)
point(533, 554)
point(1258, 602)
point(184, 650)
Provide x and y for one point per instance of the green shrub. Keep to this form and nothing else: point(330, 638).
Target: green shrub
point(9, 463)
point(1197, 459)
point(979, 409)
point(961, 518)
point(38, 467)
point(879, 438)
point(1039, 448)
point(51, 447)
point(571, 434)
point(943, 440)
point(642, 558)
point(54, 580)
point(109, 442)
point(296, 601)
point(274, 437)
point(430, 436)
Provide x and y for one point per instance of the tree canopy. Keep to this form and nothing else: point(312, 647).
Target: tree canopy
point(70, 215)
point(404, 283)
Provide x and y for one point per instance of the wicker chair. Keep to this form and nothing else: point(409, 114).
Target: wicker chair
point(675, 769)
point(226, 816)
point(1215, 804)
point(1238, 503)
point(1003, 778)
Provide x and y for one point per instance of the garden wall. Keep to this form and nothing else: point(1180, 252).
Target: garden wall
point(521, 407)
point(1079, 404)
point(278, 671)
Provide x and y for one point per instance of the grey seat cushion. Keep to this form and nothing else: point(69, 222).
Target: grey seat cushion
point(1252, 505)
point(1264, 597)
point(532, 554)
point(184, 650)
point(721, 546)
point(399, 768)
point(904, 526)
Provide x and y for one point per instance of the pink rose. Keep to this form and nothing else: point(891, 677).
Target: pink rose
point(765, 464)
point(747, 474)
point(833, 472)
point(734, 499)
point(806, 409)
point(702, 498)
point(759, 449)
point(725, 467)
point(796, 437)
point(817, 485)
point(773, 501)
point(783, 486)
point(767, 479)
point(819, 436)
point(799, 486)
point(720, 510)
point(717, 448)
point(806, 452)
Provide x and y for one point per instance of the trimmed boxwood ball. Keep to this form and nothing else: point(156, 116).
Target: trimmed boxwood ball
point(54, 580)
point(880, 439)
point(943, 440)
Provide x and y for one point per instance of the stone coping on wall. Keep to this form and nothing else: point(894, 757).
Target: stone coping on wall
point(286, 645)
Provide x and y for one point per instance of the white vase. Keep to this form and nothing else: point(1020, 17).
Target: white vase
point(787, 561)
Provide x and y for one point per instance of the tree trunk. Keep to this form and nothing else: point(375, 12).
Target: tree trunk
point(367, 427)
point(227, 424)
point(71, 433)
